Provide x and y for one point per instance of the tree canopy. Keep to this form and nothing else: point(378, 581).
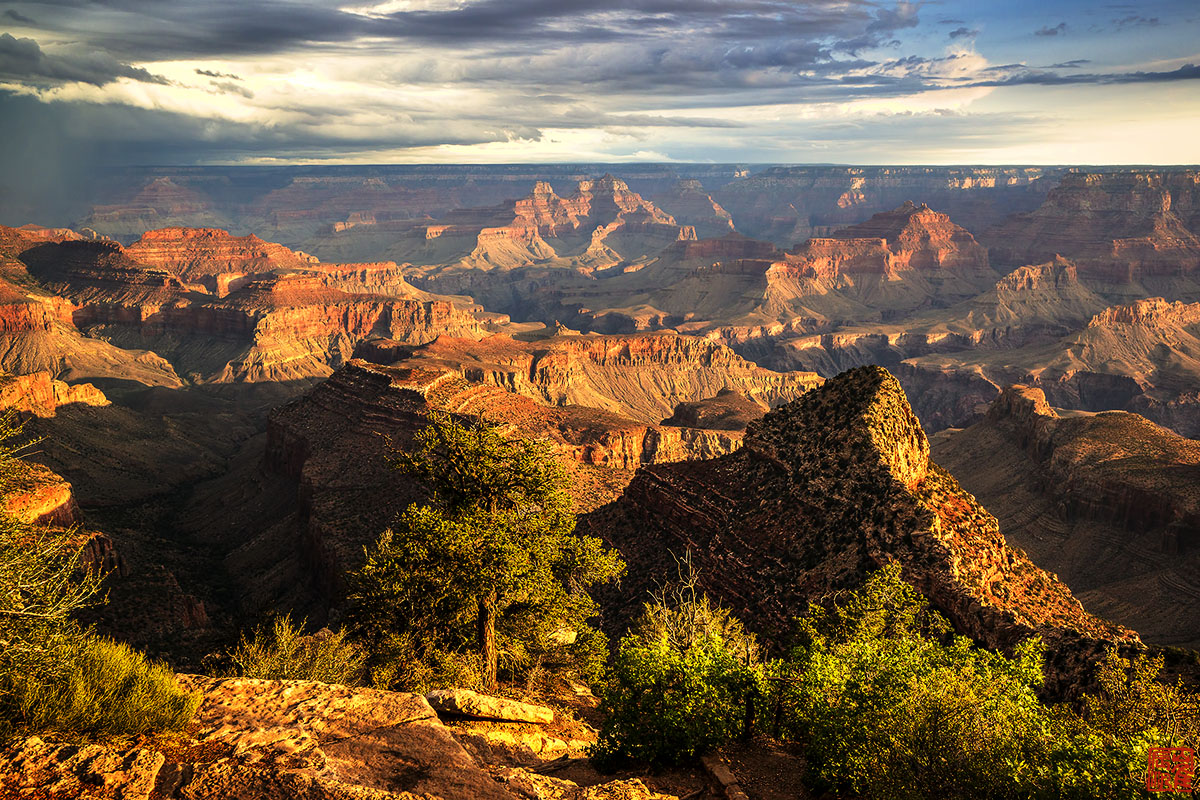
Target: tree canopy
point(491, 565)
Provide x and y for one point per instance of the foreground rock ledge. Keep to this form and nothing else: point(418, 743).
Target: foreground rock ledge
point(288, 740)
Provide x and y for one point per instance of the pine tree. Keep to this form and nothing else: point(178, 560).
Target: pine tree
point(495, 549)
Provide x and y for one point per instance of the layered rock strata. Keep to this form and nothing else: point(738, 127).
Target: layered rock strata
point(1120, 227)
point(824, 490)
point(327, 488)
point(1108, 500)
point(640, 376)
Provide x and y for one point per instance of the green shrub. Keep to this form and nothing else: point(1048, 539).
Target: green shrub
point(55, 677)
point(679, 685)
point(285, 653)
point(888, 704)
point(102, 689)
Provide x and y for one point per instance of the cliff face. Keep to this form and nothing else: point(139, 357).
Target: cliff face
point(38, 393)
point(1108, 500)
point(641, 376)
point(225, 309)
point(602, 223)
point(209, 259)
point(825, 489)
point(789, 204)
point(690, 204)
point(334, 446)
point(1119, 227)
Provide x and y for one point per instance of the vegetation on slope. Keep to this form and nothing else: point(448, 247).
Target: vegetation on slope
point(488, 578)
point(57, 677)
point(887, 703)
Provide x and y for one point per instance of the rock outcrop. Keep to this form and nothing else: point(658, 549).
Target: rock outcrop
point(602, 223)
point(209, 259)
point(40, 496)
point(282, 740)
point(911, 237)
point(1109, 501)
point(826, 489)
point(237, 310)
point(640, 376)
point(39, 394)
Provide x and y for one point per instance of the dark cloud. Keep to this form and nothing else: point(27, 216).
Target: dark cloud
point(1135, 19)
point(1074, 63)
point(229, 87)
point(210, 74)
point(142, 30)
point(24, 60)
point(1024, 77)
point(17, 16)
point(1058, 29)
point(959, 33)
point(951, 21)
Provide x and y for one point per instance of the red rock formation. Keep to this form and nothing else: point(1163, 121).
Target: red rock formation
point(598, 225)
point(210, 259)
point(910, 238)
point(263, 324)
point(40, 496)
point(641, 376)
point(1119, 227)
point(825, 489)
point(38, 393)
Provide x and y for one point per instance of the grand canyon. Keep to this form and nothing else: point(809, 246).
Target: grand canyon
point(443, 400)
point(217, 409)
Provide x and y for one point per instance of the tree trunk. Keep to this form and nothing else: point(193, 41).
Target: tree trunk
point(487, 639)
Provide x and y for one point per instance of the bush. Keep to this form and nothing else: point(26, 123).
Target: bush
point(679, 685)
point(889, 704)
point(102, 689)
point(284, 653)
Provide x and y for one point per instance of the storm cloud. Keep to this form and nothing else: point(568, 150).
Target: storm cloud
point(244, 80)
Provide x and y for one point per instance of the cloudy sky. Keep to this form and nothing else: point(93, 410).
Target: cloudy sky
point(473, 81)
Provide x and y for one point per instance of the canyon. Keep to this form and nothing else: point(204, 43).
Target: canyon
point(222, 363)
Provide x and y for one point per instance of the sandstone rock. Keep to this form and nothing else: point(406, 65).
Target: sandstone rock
point(302, 739)
point(41, 496)
point(641, 376)
point(480, 706)
point(534, 786)
point(40, 394)
point(34, 768)
point(237, 309)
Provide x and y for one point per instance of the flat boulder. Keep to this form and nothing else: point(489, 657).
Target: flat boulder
point(302, 739)
point(465, 703)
